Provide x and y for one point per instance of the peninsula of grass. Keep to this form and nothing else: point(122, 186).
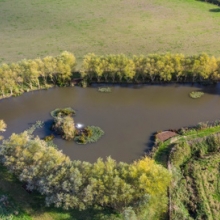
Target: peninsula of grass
point(161, 149)
point(96, 26)
point(193, 158)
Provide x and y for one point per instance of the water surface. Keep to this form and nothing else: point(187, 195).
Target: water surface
point(128, 115)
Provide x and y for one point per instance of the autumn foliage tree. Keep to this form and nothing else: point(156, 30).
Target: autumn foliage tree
point(15, 78)
point(141, 185)
point(3, 127)
point(153, 67)
point(64, 126)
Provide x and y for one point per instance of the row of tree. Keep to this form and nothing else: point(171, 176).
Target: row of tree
point(15, 78)
point(25, 75)
point(154, 67)
point(141, 185)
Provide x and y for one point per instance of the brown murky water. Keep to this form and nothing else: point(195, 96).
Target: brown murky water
point(128, 115)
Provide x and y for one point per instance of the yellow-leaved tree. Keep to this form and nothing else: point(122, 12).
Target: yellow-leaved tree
point(139, 188)
point(3, 127)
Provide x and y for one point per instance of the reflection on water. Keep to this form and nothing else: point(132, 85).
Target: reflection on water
point(128, 115)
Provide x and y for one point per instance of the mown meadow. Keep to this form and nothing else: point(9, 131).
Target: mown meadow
point(38, 28)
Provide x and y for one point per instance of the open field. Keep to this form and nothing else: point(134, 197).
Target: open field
point(37, 28)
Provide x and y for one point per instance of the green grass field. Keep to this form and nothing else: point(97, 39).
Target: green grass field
point(37, 28)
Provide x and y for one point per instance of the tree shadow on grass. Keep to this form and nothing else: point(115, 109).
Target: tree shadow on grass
point(215, 10)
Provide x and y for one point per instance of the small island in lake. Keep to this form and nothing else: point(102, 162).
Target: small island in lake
point(64, 125)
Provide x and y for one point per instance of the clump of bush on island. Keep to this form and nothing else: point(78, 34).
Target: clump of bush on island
point(64, 125)
point(89, 134)
point(62, 112)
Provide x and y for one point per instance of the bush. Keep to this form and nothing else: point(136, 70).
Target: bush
point(104, 89)
point(49, 138)
point(180, 154)
point(90, 134)
point(196, 94)
point(202, 125)
point(62, 112)
point(81, 185)
point(65, 127)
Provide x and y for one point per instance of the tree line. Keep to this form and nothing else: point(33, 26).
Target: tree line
point(15, 78)
point(141, 185)
point(154, 67)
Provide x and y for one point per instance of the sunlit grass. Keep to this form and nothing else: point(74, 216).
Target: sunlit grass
point(30, 29)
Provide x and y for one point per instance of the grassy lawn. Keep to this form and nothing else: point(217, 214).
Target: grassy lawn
point(37, 28)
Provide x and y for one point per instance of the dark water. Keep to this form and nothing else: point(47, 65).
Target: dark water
point(128, 115)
